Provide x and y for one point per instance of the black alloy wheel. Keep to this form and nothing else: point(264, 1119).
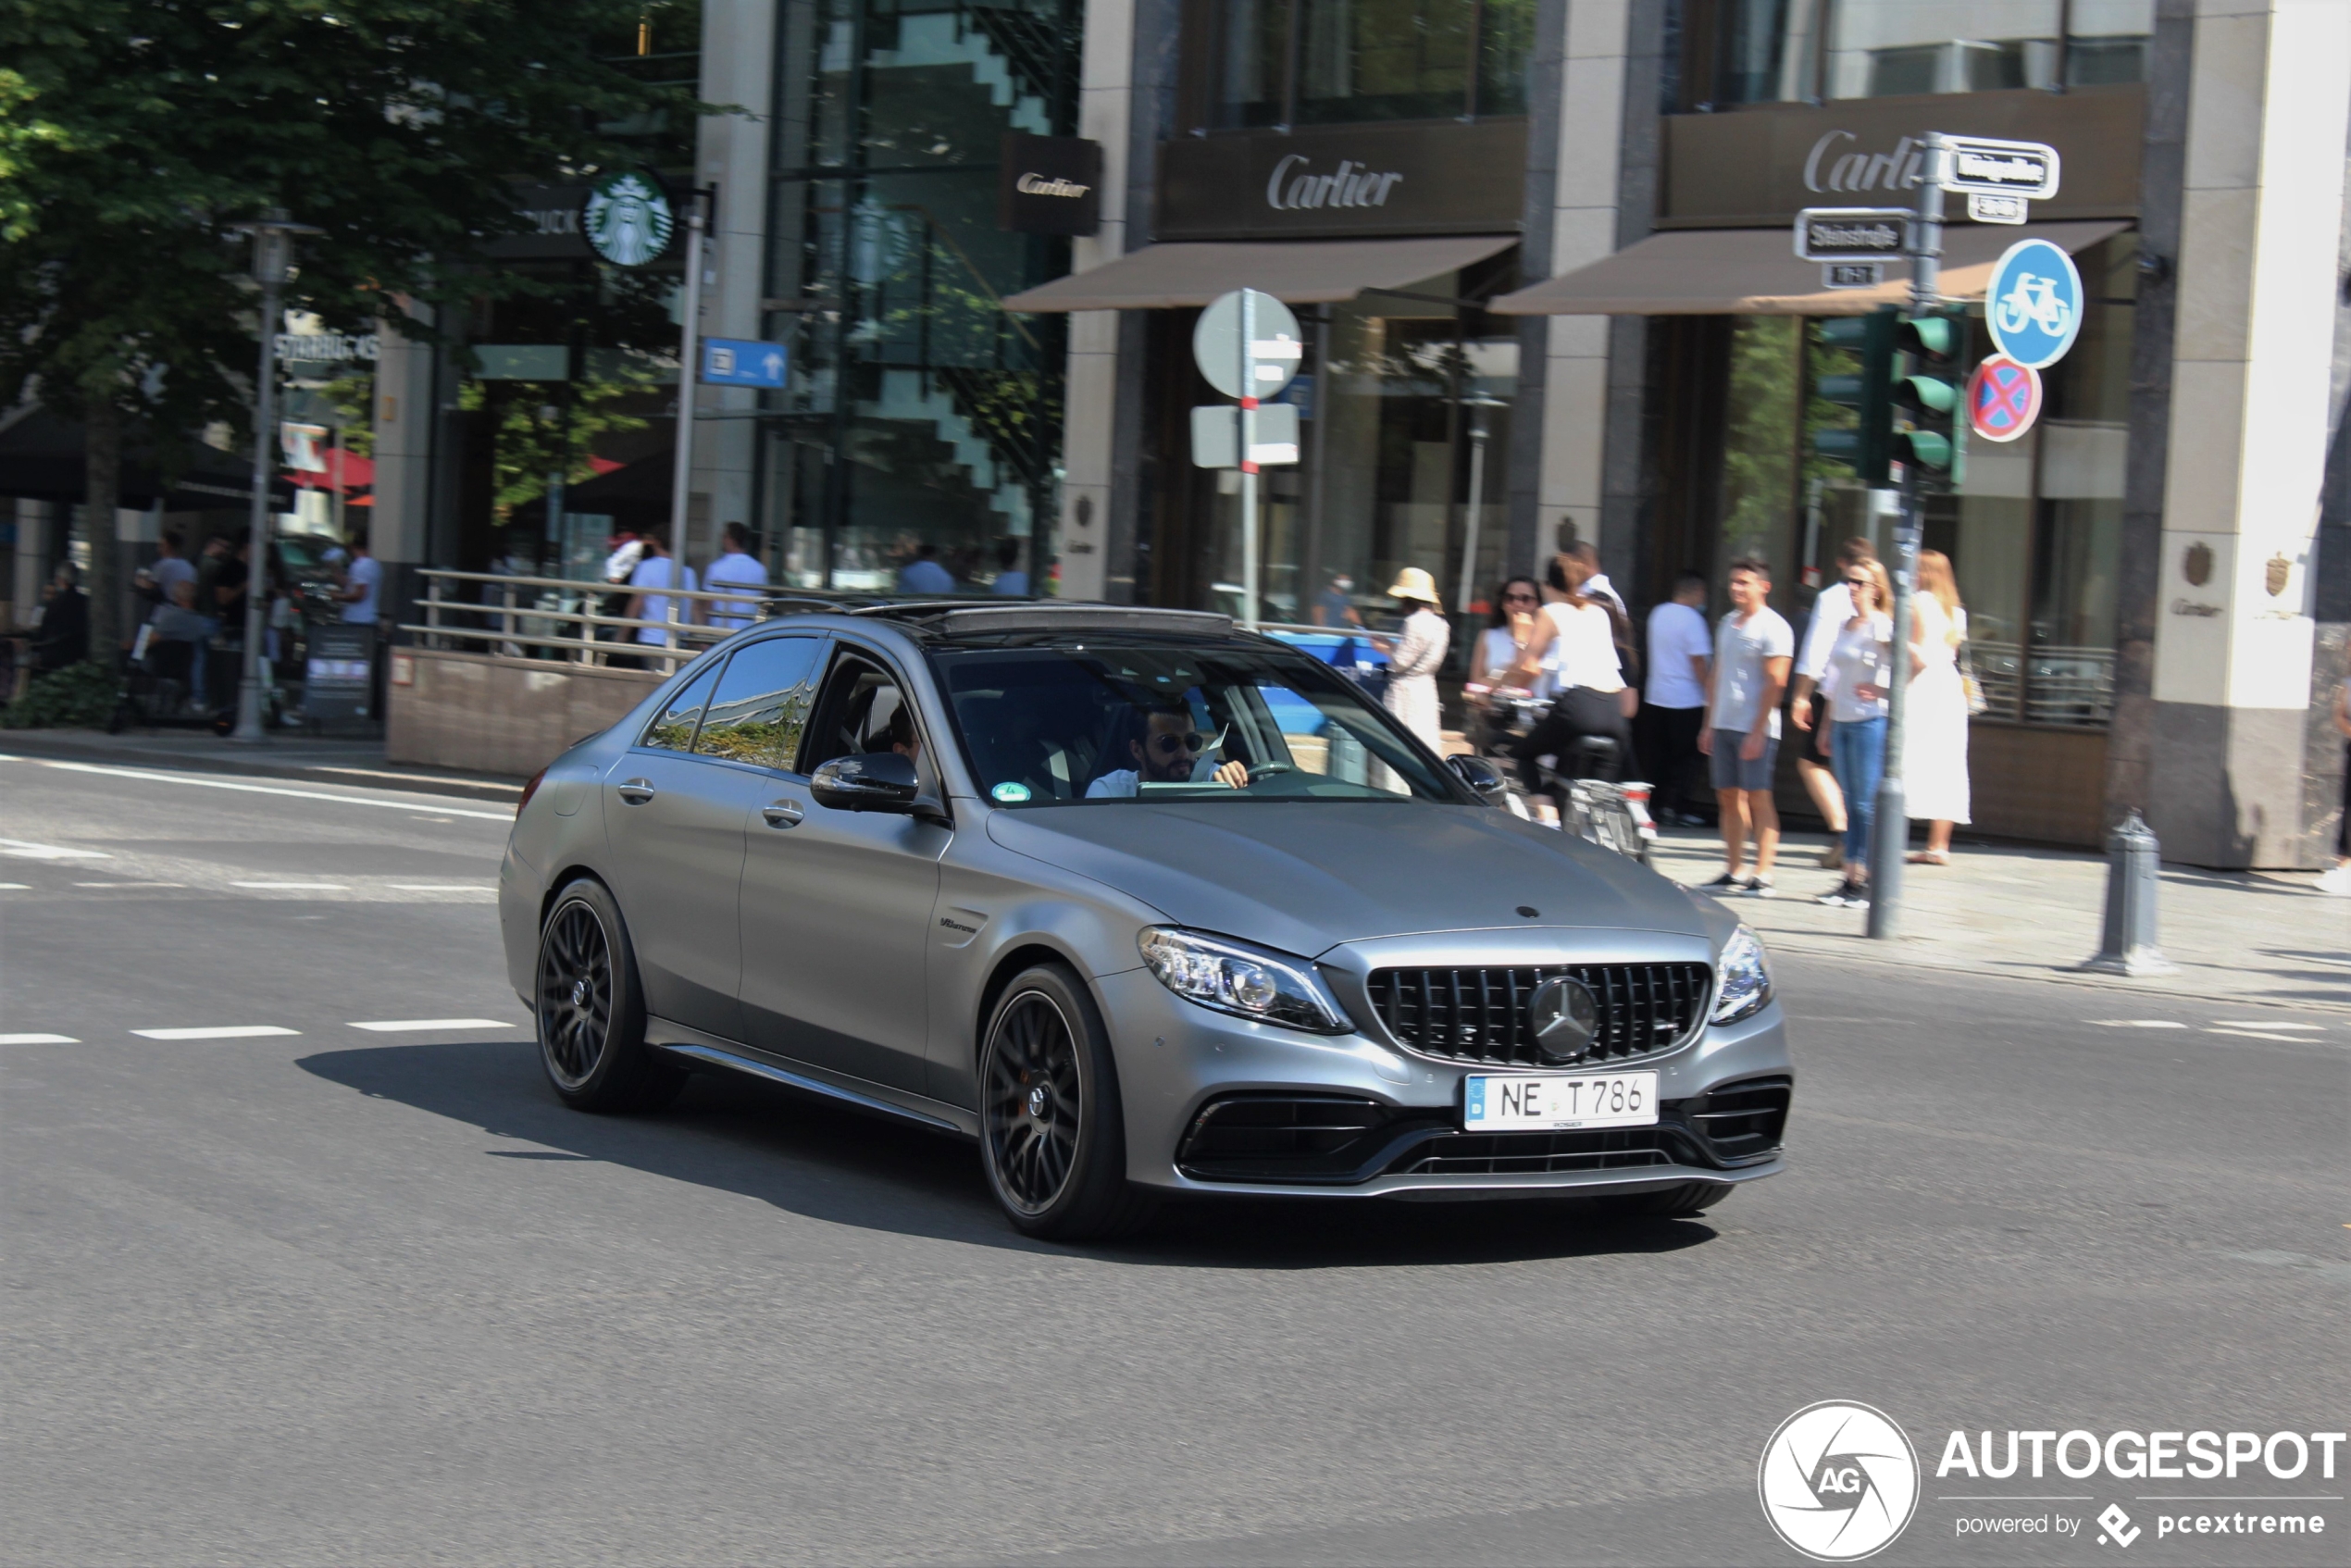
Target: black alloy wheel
point(1052, 1139)
point(591, 1011)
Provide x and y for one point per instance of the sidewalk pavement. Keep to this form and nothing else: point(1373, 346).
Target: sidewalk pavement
point(2260, 937)
point(316, 760)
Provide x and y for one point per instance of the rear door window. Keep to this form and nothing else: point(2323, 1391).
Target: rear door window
point(673, 730)
point(761, 710)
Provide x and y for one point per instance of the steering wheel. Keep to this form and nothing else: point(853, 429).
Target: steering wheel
point(1267, 770)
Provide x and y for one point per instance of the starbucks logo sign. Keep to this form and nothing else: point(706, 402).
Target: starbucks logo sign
point(627, 218)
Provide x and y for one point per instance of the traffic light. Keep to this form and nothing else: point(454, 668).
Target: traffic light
point(1927, 395)
point(1864, 448)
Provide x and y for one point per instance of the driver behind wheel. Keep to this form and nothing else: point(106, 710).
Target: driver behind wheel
point(1170, 751)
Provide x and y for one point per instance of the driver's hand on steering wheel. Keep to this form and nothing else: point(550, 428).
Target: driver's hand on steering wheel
point(1232, 774)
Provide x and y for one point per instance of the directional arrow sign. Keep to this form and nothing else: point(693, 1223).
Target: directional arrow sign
point(2002, 169)
point(742, 362)
point(1851, 233)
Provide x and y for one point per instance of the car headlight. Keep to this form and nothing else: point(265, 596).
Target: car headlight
point(1745, 978)
point(1249, 982)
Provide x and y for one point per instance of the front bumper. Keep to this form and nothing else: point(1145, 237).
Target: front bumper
point(1202, 1089)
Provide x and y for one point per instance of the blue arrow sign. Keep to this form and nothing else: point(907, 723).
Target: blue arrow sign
point(740, 362)
point(2034, 305)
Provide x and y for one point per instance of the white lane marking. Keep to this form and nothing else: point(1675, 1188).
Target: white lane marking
point(226, 1031)
point(397, 1025)
point(16, 887)
point(293, 886)
point(24, 851)
point(2259, 1034)
point(419, 778)
point(2264, 1024)
point(197, 782)
point(2136, 1023)
point(131, 884)
point(38, 1040)
point(436, 819)
point(442, 887)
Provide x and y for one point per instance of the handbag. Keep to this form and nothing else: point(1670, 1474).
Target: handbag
point(1976, 701)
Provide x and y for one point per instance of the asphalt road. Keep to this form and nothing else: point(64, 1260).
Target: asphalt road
point(344, 1295)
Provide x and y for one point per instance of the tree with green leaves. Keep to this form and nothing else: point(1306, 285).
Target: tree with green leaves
point(132, 132)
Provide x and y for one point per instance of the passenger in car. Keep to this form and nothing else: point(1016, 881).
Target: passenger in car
point(1170, 751)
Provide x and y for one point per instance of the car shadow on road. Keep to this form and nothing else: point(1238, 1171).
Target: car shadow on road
point(828, 1163)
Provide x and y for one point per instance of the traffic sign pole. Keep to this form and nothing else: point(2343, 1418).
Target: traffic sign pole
point(1248, 459)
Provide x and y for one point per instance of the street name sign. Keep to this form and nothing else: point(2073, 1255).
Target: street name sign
point(742, 362)
point(1983, 208)
point(2003, 399)
point(2034, 303)
point(1852, 274)
point(2002, 169)
point(1216, 435)
point(1274, 353)
point(1851, 233)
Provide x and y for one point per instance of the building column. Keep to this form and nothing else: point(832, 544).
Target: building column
point(399, 524)
point(1105, 103)
point(33, 565)
point(1584, 221)
point(738, 66)
point(2256, 298)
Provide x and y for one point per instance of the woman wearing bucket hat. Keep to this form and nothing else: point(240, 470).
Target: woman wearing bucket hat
point(1413, 658)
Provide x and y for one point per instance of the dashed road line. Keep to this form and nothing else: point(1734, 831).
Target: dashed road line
point(2135, 1024)
point(194, 781)
point(2265, 1023)
point(24, 851)
point(293, 886)
point(440, 886)
point(224, 1031)
point(38, 1040)
point(16, 887)
point(400, 1025)
point(131, 884)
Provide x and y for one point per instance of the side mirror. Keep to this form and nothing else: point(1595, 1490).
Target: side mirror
point(1481, 775)
point(874, 781)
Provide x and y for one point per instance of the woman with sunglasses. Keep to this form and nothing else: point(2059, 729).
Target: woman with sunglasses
point(1510, 622)
point(1852, 730)
point(1576, 647)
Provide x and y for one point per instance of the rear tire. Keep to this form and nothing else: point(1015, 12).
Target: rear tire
point(590, 1009)
point(1053, 1136)
point(1685, 1202)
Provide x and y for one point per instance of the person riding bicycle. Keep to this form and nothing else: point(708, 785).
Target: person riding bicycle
point(1573, 648)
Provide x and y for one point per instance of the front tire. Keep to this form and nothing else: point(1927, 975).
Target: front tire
point(1053, 1138)
point(590, 1009)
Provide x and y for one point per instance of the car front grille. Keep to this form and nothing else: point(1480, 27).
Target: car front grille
point(1535, 1153)
point(1482, 1016)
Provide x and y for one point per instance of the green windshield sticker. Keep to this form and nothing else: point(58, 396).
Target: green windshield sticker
point(1010, 793)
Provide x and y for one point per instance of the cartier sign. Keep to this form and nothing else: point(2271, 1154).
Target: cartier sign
point(1049, 186)
point(1330, 181)
point(1756, 167)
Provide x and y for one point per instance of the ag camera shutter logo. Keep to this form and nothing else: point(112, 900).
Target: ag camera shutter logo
point(1838, 1480)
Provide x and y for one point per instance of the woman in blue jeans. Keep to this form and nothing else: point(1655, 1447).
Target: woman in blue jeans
point(1853, 728)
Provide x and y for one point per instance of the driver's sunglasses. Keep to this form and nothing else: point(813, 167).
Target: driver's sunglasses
point(1168, 745)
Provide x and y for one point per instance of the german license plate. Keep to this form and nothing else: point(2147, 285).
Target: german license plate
point(1558, 1102)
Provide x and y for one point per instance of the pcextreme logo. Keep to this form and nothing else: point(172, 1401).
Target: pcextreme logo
point(1840, 1481)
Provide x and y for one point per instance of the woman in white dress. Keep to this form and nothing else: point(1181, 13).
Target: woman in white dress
point(1413, 658)
point(1934, 782)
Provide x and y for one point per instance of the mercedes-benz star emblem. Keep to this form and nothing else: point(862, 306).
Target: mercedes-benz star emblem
point(1565, 1017)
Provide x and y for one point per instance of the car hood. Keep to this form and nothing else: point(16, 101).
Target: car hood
point(1305, 876)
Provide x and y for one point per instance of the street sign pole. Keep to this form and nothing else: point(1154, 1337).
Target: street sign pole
point(1249, 460)
point(1890, 831)
point(682, 472)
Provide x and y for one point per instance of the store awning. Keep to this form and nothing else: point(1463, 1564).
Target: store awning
point(1295, 271)
point(1755, 272)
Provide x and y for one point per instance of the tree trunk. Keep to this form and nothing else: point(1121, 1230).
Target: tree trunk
point(102, 492)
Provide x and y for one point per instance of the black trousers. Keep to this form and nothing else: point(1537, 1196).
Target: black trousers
point(1669, 743)
point(1579, 711)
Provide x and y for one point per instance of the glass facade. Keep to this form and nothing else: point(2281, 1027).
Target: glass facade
point(919, 411)
point(1735, 52)
point(1328, 62)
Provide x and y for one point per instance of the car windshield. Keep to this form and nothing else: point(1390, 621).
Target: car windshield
point(1074, 721)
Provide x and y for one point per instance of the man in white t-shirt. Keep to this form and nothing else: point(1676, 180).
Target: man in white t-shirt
point(657, 569)
point(1830, 611)
point(1673, 706)
point(736, 567)
point(1741, 731)
point(1172, 750)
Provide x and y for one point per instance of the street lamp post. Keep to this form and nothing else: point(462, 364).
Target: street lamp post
point(273, 236)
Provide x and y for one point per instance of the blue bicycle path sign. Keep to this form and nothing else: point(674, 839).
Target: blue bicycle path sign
point(2033, 305)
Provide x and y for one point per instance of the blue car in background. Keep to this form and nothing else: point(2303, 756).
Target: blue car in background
point(1352, 653)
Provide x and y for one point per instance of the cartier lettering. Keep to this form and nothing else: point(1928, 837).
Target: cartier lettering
point(1039, 185)
point(1831, 168)
point(1353, 185)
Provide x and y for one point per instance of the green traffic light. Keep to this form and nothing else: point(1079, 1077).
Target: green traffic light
point(1928, 449)
point(1839, 447)
point(1931, 337)
point(1928, 393)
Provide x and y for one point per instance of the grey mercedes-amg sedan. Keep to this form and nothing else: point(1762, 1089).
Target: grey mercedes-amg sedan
point(1144, 905)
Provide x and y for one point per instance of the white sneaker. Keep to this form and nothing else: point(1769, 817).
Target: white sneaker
point(2337, 881)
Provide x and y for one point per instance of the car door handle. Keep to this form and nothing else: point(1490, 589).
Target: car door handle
point(636, 791)
point(782, 814)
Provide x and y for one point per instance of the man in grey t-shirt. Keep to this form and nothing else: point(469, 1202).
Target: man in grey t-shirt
point(1753, 648)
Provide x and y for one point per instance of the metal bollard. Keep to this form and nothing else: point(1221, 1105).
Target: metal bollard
point(2133, 860)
